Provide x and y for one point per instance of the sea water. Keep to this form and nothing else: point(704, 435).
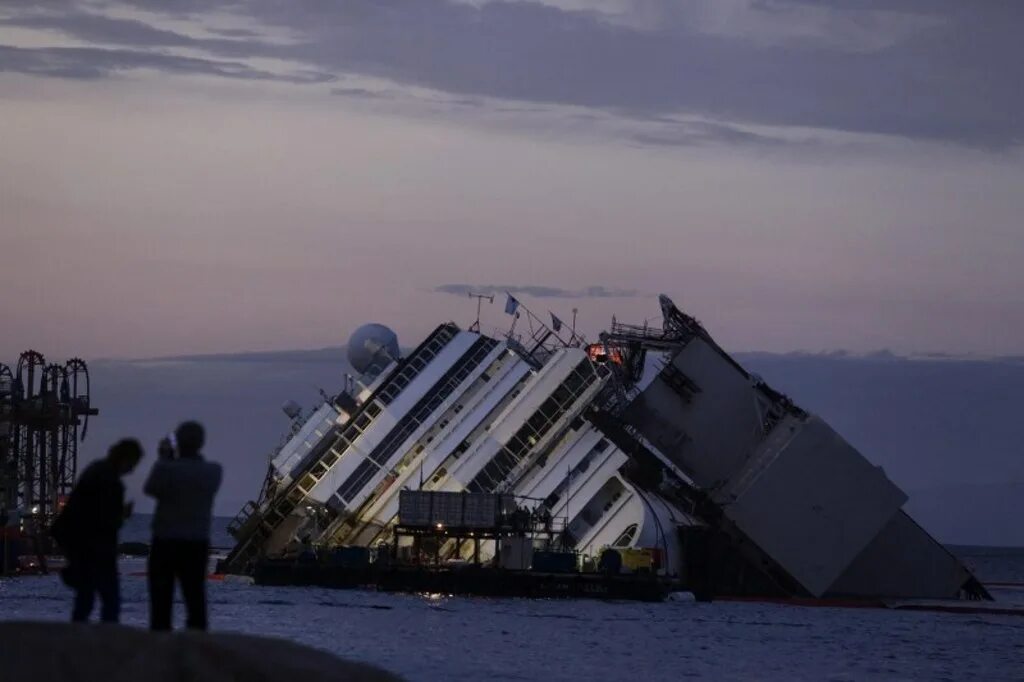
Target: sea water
point(436, 637)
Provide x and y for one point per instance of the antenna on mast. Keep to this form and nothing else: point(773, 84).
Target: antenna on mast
point(475, 327)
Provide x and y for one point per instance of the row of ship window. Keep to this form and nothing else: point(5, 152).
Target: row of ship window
point(362, 422)
point(535, 428)
point(582, 376)
point(420, 413)
point(440, 426)
point(581, 467)
point(415, 363)
point(412, 367)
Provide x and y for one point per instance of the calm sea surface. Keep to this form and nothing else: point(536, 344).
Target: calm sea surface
point(442, 638)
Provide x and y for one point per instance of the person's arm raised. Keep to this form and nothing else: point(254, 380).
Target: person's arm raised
point(155, 481)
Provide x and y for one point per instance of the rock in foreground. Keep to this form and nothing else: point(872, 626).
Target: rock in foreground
point(58, 652)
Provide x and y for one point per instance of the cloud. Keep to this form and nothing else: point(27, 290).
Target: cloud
point(87, 63)
point(703, 132)
point(916, 69)
point(234, 32)
point(100, 29)
point(536, 291)
point(361, 93)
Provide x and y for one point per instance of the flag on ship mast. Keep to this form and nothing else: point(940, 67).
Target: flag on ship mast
point(556, 323)
point(511, 305)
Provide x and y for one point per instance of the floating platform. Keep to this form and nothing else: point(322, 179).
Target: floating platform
point(466, 580)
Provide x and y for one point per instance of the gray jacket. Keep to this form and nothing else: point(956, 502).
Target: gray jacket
point(184, 489)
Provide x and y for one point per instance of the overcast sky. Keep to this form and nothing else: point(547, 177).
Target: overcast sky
point(187, 176)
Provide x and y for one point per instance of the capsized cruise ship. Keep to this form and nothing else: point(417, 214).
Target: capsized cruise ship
point(735, 489)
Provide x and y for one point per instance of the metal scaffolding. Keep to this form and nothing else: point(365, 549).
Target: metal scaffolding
point(44, 414)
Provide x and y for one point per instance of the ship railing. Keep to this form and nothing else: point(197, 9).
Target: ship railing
point(242, 518)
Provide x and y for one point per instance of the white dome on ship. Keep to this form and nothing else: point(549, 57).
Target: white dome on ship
point(372, 344)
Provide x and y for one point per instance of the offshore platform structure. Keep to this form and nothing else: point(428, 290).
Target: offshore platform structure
point(44, 415)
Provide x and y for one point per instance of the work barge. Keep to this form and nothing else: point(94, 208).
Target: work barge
point(537, 463)
point(530, 556)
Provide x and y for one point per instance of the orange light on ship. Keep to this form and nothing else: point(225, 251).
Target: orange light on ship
point(598, 353)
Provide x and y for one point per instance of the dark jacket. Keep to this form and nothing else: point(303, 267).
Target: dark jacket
point(184, 489)
point(94, 512)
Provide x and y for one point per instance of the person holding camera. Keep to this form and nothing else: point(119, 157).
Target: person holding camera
point(184, 485)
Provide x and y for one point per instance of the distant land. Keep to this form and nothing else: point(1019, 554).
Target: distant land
point(948, 430)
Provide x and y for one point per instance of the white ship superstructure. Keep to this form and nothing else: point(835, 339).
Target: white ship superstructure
point(462, 412)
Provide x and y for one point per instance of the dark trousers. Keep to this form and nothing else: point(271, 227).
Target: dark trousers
point(90, 571)
point(184, 561)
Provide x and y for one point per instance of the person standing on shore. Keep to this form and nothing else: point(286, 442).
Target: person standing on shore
point(184, 485)
point(87, 529)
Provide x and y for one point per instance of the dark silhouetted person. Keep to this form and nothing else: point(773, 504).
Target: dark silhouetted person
point(87, 530)
point(184, 485)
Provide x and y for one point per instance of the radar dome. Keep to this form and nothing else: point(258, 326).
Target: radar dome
point(372, 345)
